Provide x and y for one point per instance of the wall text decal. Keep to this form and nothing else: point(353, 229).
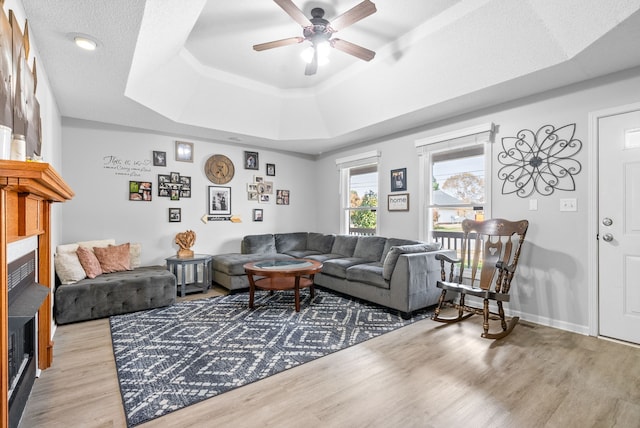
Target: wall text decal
point(128, 167)
point(540, 161)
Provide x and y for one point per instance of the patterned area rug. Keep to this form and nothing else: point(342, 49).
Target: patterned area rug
point(169, 358)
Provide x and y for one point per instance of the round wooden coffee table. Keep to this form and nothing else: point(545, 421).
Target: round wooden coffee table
point(273, 275)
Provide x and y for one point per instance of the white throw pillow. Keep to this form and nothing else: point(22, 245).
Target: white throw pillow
point(134, 253)
point(102, 243)
point(68, 268)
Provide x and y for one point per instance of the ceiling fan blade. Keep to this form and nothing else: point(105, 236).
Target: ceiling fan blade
point(312, 67)
point(351, 49)
point(353, 15)
point(294, 12)
point(278, 43)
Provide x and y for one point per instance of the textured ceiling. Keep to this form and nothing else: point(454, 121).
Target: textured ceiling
point(188, 69)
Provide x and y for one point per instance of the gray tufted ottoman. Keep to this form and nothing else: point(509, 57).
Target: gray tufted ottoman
point(115, 293)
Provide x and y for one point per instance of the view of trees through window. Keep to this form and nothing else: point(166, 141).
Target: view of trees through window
point(363, 200)
point(458, 189)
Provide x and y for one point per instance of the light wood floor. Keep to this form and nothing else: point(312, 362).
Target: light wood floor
point(424, 375)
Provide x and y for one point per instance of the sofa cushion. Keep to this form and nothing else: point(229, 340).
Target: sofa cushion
point(135, 251)
point(320, 242)
point(232, 264)
point(369, 248)
point(258, 244)
point(394, 253)
point(344, 245)
point(301, 254)
point(323, 257)
point(286, 242)
point(114, 258)
point(68, 267)
point(395, 242)
point(338, 267)
point(89, 262)
point(97, 243)
point(369, 273)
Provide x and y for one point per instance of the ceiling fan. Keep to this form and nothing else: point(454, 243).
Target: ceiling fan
point(318, 31)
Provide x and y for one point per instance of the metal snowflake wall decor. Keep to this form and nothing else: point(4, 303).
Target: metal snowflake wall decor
point(540, 161)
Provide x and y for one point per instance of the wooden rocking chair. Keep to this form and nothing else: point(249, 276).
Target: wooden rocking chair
point(486, 267)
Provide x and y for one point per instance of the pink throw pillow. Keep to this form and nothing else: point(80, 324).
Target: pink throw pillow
point(114, 258)
point(89, 262)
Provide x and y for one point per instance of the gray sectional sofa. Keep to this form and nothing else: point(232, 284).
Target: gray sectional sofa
point(114, 293)
point(397, 273)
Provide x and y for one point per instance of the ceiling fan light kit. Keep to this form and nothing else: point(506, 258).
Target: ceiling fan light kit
point(318, 31)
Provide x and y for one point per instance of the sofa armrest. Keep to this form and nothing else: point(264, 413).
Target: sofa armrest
point(414, 278)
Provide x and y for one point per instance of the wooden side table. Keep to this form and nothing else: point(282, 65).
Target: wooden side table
point(196, 286)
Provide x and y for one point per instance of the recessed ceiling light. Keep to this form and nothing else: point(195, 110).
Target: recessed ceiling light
point(85, 43)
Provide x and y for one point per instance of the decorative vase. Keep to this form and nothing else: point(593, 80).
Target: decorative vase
point(18, 148)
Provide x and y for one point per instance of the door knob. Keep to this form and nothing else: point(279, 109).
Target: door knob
point(607, 221)
point(607, 237)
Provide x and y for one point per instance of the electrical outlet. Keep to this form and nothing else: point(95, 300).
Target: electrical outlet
point(570, 204)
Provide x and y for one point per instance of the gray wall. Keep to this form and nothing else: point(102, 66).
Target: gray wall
point(101, 208)
point(552, 284)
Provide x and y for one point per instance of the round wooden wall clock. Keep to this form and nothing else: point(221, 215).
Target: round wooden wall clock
point(219, 169)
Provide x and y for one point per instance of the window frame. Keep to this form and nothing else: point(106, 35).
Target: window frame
point(345, 165)
point(459, 140)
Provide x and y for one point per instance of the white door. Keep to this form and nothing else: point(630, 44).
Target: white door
point(619, 226)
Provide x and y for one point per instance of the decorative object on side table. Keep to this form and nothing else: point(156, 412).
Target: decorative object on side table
point(398, 202)
point(184, 151)
point(539, 161)
point(185, 241)
point(398, 179)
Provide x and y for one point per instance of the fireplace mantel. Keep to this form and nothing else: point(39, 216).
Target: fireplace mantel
point(27, 190)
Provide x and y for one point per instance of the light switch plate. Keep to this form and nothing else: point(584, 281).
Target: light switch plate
point(570, 204)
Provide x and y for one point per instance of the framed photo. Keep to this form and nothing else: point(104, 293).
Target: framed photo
point(175, 177)
point(250, 160)
point(398, 179)
point(139, 191)
point(398, 202)
point(257, 214)
point(263, 198)
point(268, 187)
point(252, 196)
point(219, 200)
point(271, 169)
point(184, 151)
point(185, 188)
point(175, 215)
point(258, 179)
point(282, 197)
point(159, 158)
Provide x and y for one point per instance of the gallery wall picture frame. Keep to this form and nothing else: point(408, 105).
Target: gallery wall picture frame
point(219, 202)
point(271, 169)
point(398, 202)
point(251, 160)
point(399, 180)
point(140, 191)
point(175, 215)
point(257, 214)
point(159, 158)
point(282, 197)
point(184, 151)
